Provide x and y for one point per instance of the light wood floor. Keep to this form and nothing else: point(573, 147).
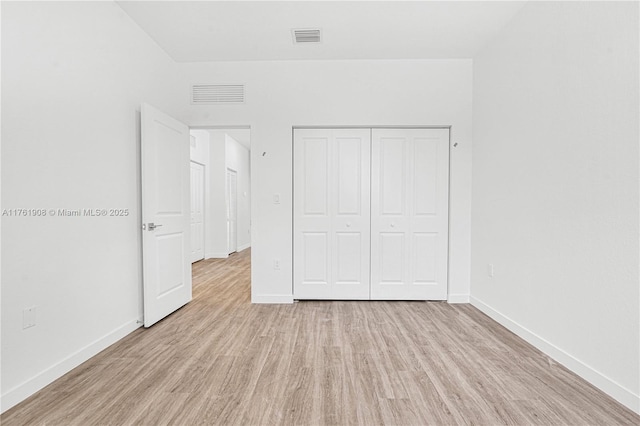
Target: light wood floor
point(221, 360)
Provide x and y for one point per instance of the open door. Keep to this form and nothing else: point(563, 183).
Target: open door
point(165, 214)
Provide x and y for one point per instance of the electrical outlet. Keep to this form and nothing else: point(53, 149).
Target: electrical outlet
point(29, 317)
point(490, 270)
point(276, 264)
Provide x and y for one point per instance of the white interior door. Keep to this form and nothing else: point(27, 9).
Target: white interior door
point(165, 214)
point(232, 210)
point(331, 213)
point(197, 211)
point(409, 214)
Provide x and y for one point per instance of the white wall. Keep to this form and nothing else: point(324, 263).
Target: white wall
point(237, 157)
point(281, 95)
point(216, 238)
point(200, 152)
point(555, 187)
point(74, 75)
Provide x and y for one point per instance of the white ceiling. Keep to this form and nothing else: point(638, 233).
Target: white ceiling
point(197, 31)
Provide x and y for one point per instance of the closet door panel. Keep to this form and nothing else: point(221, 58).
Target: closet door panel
point(425, 257)
point(392, 258)
point(349, 179)
point(351, 215)
point(331, 175)
point(414, 162)
point(425, 172)
point(312, 236)
point(315, 167)
point(316, 257)
point(392, 176)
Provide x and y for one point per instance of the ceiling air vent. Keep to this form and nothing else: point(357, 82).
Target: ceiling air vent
point(217, 94)
point(306, 36)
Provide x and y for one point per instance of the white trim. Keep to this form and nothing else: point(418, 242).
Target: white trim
point(272, 298)
point(364, 126)
point(216, 255)
point(44, 378)
point(623, 395)
point(458, 298)
point(220, 127)
point(244, 247)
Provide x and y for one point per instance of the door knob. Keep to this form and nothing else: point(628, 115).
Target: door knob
point(348, 225)
point(153, 226)
point(393, 225)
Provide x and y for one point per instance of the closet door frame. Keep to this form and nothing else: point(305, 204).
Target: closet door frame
point(370, 128)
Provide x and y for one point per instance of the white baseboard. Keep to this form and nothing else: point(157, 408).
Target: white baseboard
point(272, 298)
point(216, 255)
point(244, 247)
point(33, 385)
point(605, 384)
point(458, 298)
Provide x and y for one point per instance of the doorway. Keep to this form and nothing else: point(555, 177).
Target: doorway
point(224, 153)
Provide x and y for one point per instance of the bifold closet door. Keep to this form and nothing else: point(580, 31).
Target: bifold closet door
point(331, 207)
point(409, 214)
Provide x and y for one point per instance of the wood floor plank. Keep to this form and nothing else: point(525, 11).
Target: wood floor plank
point(222, 361)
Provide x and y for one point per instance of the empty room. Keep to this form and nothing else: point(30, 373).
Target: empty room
point(320, 212)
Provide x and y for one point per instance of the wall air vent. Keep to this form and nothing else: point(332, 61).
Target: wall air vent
point(306, 36)
point(217, 94)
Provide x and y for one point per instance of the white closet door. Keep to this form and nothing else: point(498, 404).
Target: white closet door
point(409, 214)
point(331, 213)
